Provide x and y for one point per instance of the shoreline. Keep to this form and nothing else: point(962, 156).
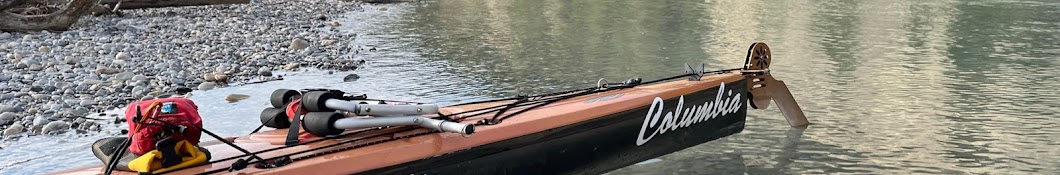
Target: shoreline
point(51, 82)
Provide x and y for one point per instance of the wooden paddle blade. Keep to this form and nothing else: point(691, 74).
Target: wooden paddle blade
point(786, 102)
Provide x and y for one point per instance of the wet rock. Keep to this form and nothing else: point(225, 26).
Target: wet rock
point(264, 71)
point(221, 68)
point(139, 90)
point(351, 78)
point(92, 82)
point(93, 76)
point(56, 127)
point(7, 96)
point(231, 98)
point(14, 56)
point(139, 78)
point(327, 42)
point(14, 130)
point(122, 56)
point(35, 67)
point(29, 38)
point(61, 42)
point(5, 35)
point(124, 76)
point(107, 70)
point(41, 97)
point(209, 77)
point(118, 120)
point(93, 127)
point(298, 44)
point(220, 78)
point(80, 111)
point(107, 46)
point(88, 102)
point(38, 124)
point(84, 125)
point(207, 86)
point(9, 108)
point(7, 117)
point(70, 60)
point(44, 49)
point(50, 88)
point(291, 66)
point(79, 123)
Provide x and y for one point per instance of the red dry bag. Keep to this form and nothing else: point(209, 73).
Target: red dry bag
point(181, 121)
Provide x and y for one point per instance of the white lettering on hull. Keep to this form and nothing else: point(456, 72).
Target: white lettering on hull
point(682, 117)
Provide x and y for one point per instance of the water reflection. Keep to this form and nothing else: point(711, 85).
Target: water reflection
point(895, 87)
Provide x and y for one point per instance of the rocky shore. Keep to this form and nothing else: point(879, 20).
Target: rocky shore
point(51, 81)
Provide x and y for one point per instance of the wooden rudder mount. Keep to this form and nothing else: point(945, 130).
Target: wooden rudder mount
point(763, 87)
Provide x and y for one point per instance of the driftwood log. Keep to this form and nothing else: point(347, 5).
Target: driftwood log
point(57, 20)
point(139, 4)
point(36, 15)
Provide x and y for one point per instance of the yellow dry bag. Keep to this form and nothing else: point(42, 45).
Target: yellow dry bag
point(190, 155)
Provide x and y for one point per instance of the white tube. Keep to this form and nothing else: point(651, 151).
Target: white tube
point(389, 110)
point(381, 109)
point(446, 126)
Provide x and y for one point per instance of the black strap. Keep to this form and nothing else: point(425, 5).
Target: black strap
point(116, 156)
point(168, 147)
point(292, 132)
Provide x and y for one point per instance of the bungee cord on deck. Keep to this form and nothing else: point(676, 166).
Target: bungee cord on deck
point(501, 113)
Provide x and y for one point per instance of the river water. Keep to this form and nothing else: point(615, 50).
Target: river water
point(892, 87)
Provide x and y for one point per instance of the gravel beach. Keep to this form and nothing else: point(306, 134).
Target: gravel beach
point(50, 81)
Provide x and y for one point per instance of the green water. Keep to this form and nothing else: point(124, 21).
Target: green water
point(892, 87)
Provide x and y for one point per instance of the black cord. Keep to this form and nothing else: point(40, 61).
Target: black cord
point(261, 126)
point(337, 144)
point(269, 150)
point(219, 138)
point(535, 100)
point(116, 156)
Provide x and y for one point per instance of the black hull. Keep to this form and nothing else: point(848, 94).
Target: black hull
point(590, 147)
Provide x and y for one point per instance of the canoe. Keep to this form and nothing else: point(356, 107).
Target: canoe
point(585, 131)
